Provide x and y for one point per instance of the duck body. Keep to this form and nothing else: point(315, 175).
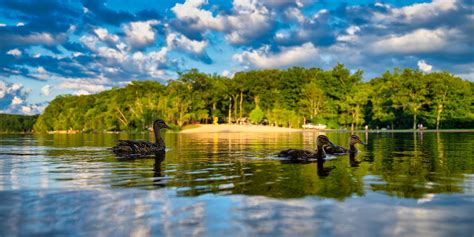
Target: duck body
point(136, 147)
point(339, 150)
point(132, 148)
point(295, 154)
point(305, 155)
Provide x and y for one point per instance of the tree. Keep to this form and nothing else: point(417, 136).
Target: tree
point(312, 100)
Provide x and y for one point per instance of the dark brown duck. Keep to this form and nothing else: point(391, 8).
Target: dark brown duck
point(130, 147)
point(301, 154)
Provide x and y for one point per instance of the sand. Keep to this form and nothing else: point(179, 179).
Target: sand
point(222, 128)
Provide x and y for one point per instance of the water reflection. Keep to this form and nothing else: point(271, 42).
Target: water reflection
point(208, 184)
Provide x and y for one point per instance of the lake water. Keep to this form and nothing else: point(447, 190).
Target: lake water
point(230, 184)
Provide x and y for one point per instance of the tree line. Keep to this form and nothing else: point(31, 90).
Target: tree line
point(337, 98)
point(17, 123)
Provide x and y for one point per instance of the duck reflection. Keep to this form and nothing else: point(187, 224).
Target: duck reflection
point(352, 161)
point(322, 171)
point(157, 180)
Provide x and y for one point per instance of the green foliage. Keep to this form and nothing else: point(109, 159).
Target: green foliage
point(335, 97)
point(16, 123)
point(256, 115)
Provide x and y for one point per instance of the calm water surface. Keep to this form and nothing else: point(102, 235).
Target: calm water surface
point(401, 184)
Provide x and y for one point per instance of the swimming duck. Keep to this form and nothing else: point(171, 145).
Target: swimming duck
point(130, 148)
point(335, 149)
point(300, 154)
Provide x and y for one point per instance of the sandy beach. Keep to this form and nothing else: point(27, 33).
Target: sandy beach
point(222, 128)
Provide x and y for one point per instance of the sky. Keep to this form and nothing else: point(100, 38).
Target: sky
point(54, 47)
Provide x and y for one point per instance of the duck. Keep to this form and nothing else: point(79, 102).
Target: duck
point(132, 148)
point(336, 150)
point(304, 155)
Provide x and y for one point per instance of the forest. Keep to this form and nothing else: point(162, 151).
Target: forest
point(17, 123)
point(338, 98)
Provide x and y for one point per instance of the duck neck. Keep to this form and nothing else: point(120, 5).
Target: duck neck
point(158, 138)
point(320, 153)
point(352, 148)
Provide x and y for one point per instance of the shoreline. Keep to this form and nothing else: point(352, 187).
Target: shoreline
point(233, 128)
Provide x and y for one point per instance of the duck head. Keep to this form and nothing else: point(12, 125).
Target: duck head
point(355, 139)
point(323, 140)
point(159, 124)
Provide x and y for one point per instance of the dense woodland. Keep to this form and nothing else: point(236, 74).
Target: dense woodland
point(17, 123)
point(339, 98)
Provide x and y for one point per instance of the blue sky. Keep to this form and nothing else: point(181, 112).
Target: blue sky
point(53, 47)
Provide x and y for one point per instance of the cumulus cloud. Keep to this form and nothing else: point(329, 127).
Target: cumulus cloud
point(197, 18)
point(14, 52)
point(13, 97)
point(416, 13)
point(174, 40)
point(288, 56)
point(418, 41)
point(16, 101)
point(46, 90)
point(194, 47)
point(140, 33)
point(423, 66)
point(104, 35)
point(90, 85)
point(249, 19)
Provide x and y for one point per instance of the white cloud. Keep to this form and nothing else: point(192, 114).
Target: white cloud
point(82, 92)
point(16, 100)
point(119, 60)
point(417, 12)
point(198, 19)
point(14, 52)
point(111, 55)
point(15, 96)
point(82, 85)
point(2, 25)
point(175, 40)
point(89, 41)
point(249, 19)
point(40, 70)
point(20, 24)
point(227, 73)
point(423, 66)
point(140, 33)
point(104, 35)
point(418, 41)
point(295, 13)
point(3, 89)
point(148, 63)
point(46, 90)
point(350, 34)
point(289, 56)
point(32, 109)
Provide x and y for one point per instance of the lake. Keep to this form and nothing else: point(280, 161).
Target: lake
point(231, 184)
